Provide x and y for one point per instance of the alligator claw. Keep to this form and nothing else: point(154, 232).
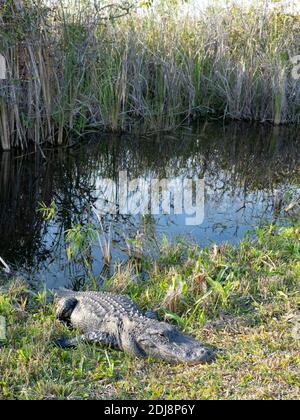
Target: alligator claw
point(64, 343)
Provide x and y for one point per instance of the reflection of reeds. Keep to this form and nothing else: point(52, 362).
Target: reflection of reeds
point(22, 186)
point(4, 127)
point(242, 156)
point(104, 239)
point(69, 73)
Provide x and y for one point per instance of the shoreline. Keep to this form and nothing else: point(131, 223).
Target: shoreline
point(243, 300)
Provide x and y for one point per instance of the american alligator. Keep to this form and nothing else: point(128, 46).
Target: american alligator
point(117, 321)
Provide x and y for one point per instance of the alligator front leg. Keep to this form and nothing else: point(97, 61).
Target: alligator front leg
point(93, 337)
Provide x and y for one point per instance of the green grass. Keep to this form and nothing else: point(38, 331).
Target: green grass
point(153, 71)
point(245, 301)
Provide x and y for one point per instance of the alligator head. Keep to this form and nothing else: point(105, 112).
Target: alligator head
point(163, 341)
point(64, 306)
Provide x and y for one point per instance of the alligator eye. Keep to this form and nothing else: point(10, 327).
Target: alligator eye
point(162, 336)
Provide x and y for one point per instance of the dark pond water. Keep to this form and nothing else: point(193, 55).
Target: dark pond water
point(247, 172)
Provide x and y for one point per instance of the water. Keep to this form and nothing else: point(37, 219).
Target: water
point(245, 169)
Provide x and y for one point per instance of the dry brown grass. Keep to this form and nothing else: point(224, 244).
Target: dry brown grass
point(73, 73)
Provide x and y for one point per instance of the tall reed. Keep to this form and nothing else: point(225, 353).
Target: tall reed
point(71, 71)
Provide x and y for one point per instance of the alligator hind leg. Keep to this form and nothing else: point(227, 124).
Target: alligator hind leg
point(91, 337)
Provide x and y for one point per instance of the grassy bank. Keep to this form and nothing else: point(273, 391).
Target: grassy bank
point(70, 73)
point(243, 300)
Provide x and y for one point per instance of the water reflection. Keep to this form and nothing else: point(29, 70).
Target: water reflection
point(245, 169)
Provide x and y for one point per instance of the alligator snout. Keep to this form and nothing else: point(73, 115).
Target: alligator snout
point(203, 355)
point(169, 344)
point(193, 355)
